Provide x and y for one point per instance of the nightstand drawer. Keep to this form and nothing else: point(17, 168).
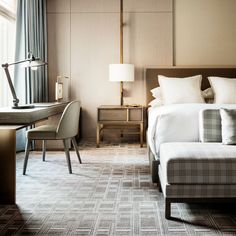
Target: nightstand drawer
point(112, 115)
point(135, 114)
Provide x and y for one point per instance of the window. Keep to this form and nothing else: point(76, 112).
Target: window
point(7, 46)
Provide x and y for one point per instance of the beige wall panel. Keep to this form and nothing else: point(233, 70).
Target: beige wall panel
point(58, 49)
point(95, 44)
point(147, 41)
point(95, 5)
point(59, 6)
point(147, 5)
point(114, 5)
point(148, 38)
point(205, 32)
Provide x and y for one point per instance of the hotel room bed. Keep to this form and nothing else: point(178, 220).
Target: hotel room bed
point(154, 139)
point(186, 169)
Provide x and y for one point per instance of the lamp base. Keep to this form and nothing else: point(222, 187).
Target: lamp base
point(23, 107)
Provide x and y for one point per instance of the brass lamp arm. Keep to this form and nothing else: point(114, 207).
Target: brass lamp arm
point(13, 92)
point(17, 62)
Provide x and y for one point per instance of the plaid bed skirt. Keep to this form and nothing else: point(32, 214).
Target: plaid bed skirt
point(196, 190)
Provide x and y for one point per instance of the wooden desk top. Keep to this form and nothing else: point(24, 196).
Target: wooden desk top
point(9, 116)
point(16, 127)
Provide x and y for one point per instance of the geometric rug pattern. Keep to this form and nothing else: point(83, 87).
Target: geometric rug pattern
point(111, 193)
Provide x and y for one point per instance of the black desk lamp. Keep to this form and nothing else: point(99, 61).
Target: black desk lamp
point(30, 62)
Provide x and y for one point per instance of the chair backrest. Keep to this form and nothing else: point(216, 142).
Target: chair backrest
point(69, 122)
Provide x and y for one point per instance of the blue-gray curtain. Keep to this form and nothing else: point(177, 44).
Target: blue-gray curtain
point(31, 36)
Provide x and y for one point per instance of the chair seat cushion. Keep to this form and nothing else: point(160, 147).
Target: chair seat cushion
point(42, 132)
point(198, 163)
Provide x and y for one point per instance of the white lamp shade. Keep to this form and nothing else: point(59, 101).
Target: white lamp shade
point(121, 72)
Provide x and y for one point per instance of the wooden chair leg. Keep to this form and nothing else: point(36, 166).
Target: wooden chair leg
point(76, 149)
point(27, 150)
point(44, 149)
point(167, 208)
point(67, 155)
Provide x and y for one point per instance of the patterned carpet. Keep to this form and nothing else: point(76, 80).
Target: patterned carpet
point(111, 193)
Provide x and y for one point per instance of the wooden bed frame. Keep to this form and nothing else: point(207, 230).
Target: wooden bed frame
point(152, 82)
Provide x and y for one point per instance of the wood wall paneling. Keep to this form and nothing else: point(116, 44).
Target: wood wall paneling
point(94, 6)
point(205, 32)
point(58, 49)
point(143, 46)
point(148, 6)
point(95, 41)
point(80, 6)
point(148, 38)
point(58, 6)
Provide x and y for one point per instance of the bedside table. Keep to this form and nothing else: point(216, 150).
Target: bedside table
point(121, 117)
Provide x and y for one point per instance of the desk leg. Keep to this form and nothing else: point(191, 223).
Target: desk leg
point(98, 135)
point(141, 135)
point(7, 166)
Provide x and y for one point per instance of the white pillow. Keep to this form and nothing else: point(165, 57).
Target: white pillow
point(208, 93)
point(155, 103)
point(156, 92)
point(181, 90)
point(228, 124)
point(224, 89)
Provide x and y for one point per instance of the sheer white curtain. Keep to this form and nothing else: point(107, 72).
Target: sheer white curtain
point(7, 46)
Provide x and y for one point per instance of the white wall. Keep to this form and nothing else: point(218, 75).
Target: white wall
point(83, 39)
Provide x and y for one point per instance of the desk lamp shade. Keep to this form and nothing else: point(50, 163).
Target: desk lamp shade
point(121, 72)
point(34, 64)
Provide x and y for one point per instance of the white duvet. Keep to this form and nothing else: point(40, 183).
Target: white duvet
point(176, 123)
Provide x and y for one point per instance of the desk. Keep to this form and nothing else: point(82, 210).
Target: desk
point(12, 120)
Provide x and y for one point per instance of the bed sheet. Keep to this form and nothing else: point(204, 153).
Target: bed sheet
point(176, 123)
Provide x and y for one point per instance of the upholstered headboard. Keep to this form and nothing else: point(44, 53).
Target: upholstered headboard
point(152, 73)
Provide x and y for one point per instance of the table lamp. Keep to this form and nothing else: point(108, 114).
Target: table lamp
point(121, 73)
point(30, 62)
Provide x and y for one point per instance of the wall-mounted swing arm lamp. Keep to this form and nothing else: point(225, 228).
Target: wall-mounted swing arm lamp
point(121, 72)
point(30, 62)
